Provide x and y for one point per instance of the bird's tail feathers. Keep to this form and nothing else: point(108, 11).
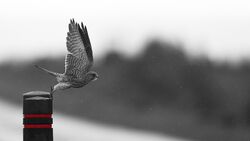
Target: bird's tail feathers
point(48, 71)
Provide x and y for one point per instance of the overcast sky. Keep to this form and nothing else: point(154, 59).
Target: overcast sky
point(219, 29)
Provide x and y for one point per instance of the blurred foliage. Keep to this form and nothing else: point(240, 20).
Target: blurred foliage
point(161, 89)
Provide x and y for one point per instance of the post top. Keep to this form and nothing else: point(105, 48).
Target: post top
point(35, 94)
point(37, 102)
point(37, 98)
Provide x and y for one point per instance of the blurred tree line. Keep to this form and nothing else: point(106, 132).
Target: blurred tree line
point(134, 90)
point(165, 76)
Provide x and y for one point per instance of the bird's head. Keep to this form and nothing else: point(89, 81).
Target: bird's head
point(92, 76)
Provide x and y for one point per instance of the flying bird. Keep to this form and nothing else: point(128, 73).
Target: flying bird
point(78, 60)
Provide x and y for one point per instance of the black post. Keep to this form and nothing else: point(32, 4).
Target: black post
point(37, 116)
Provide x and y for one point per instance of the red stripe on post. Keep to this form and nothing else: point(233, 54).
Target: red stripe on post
point(37, 115)
point(37, 125)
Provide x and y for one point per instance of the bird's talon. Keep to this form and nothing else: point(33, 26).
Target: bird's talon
point(51, 91)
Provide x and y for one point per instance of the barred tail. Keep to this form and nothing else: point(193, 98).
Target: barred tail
point(48, 71)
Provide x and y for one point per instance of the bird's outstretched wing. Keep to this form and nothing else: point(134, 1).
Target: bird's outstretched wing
point(80, 57)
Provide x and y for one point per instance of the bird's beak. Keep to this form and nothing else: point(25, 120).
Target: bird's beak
point(97, 76)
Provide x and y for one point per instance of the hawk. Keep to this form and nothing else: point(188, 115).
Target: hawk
point(78, 60)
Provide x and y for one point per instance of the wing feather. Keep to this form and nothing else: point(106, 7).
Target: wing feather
point(86, 41)
point(73, 66)
point(80, 58)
